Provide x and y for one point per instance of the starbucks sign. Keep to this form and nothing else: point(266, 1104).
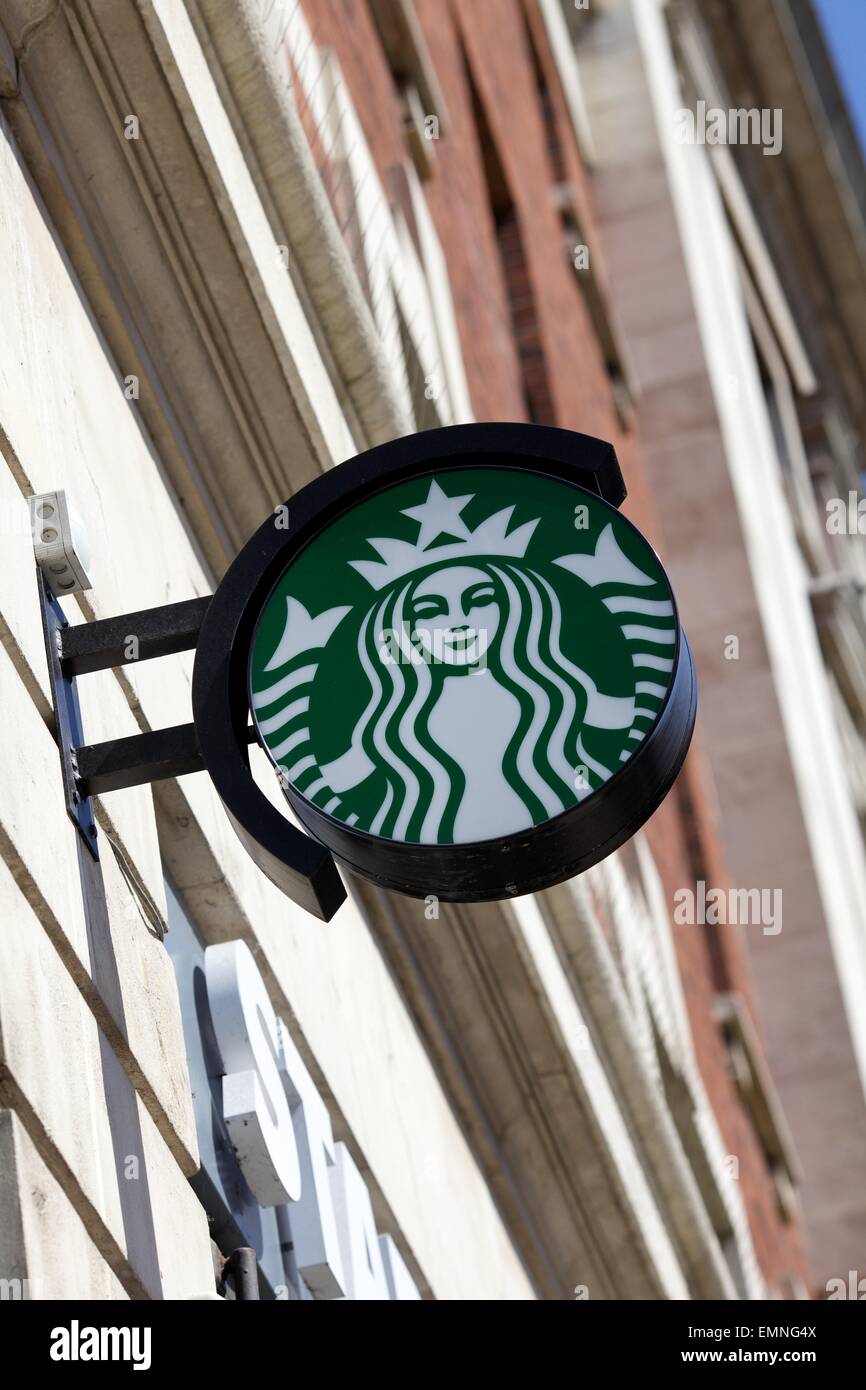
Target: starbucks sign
point(464, 664)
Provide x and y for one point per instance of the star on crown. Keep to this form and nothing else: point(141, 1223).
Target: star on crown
point(440, 515)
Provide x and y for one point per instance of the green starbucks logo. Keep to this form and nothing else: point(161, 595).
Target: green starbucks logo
point(463, 656)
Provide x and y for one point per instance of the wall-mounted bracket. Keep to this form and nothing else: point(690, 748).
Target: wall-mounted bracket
point(140, 758)
point(132, 637)
point(91, 769)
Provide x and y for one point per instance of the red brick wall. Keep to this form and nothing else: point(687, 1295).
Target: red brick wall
point(566, 365)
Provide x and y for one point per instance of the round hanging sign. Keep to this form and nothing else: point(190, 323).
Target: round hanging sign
point(465, 665)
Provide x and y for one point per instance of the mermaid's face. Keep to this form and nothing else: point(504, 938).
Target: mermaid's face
point(455, 614)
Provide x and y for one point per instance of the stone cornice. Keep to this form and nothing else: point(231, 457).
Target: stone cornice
point(158, 245)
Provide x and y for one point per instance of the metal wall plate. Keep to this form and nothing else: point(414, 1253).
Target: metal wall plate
point(67, 712)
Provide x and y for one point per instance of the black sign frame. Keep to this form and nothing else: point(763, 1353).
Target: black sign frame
point(302, 865)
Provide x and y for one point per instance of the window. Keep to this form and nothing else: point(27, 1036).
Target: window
point(424, 115)
point(409, 323)
point(564, 22)
point(585, 261)
point(515, 273)
point(590, 280)
point(756, 1090)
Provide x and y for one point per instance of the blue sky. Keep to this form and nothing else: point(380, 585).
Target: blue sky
point(844, 25)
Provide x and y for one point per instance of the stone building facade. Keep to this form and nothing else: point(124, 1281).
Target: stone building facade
point(239, 244)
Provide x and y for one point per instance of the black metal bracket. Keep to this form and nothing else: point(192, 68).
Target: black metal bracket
point(148, 757)
point(132, 637)
point(77, 650)
point(140, 758)
point(89, 770)
point(124, 641)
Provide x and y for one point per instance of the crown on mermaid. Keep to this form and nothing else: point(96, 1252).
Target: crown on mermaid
point(440, 515)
